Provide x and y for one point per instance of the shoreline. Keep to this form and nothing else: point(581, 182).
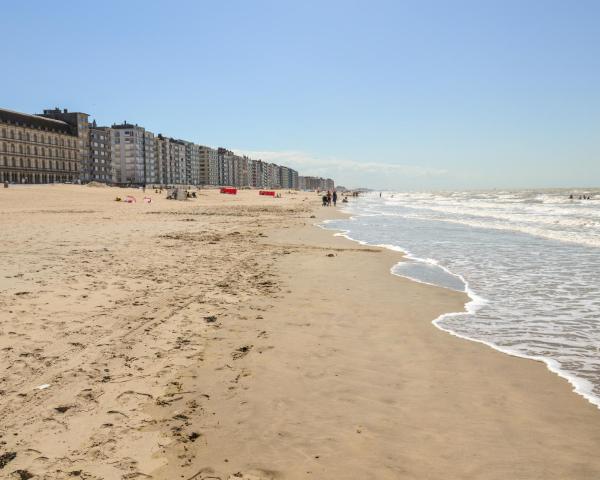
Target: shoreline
point(231, 338)
point(580, 386)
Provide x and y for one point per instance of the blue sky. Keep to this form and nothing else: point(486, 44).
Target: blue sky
point(386, 94)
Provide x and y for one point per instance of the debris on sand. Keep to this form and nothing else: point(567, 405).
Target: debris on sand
point(7, 457)
point(63, 408)
point(23, 474)
point(241, 352)
point(210, 319)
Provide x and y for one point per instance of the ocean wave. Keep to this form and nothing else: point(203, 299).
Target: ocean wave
point(540, 310)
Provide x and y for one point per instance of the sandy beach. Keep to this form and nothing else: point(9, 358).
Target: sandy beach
point(228, 337)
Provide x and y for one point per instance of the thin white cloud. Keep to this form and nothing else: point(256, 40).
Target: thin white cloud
point(308, 164)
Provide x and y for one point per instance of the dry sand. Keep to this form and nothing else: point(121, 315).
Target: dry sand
point(228, 338)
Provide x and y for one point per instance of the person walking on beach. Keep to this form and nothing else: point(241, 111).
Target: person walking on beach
point(328, 198)
point(334, 197)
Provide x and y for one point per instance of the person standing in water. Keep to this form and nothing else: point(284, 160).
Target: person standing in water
point(334, 197)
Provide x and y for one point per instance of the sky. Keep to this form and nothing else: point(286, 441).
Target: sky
point(402, 95)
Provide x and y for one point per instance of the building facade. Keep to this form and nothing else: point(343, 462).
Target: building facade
point(209, 166)
point(315, 183)
point(293, 179)
point(225, 167)
point(62, 146)
point(35, 149)
point(133, 154)
point(161, 156)
point(192, 158)
point(99, 166)
point(80, 121)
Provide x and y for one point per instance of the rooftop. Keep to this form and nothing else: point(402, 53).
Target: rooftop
point(35, 120)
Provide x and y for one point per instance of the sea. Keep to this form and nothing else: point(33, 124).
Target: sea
point(529, 261)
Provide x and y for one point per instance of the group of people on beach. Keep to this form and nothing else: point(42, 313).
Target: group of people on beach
point(581, 197)
point(330, 197)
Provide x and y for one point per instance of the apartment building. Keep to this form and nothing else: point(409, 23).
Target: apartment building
point(241, 171)
point(209, 168)
point(288, 177)
point(273, 175)
point(178, 162)
point(293, 179)
point(80, 121)
point(133, 154)
point(161, 155)
point(284, 177)
point(98, 168)
point(225, 166)
point(61, 146)
point(36, 149)
point(315, 183)
point(258, 174)
point(192, 159)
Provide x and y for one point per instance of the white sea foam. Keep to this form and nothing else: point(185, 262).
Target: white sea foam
point(530, 271)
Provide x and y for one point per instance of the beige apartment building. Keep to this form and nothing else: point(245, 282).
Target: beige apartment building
point(35, 149)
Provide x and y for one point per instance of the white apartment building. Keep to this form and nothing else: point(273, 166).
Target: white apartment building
point(133, 154)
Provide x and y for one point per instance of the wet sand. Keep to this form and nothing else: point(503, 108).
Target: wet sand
point(228, 337)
